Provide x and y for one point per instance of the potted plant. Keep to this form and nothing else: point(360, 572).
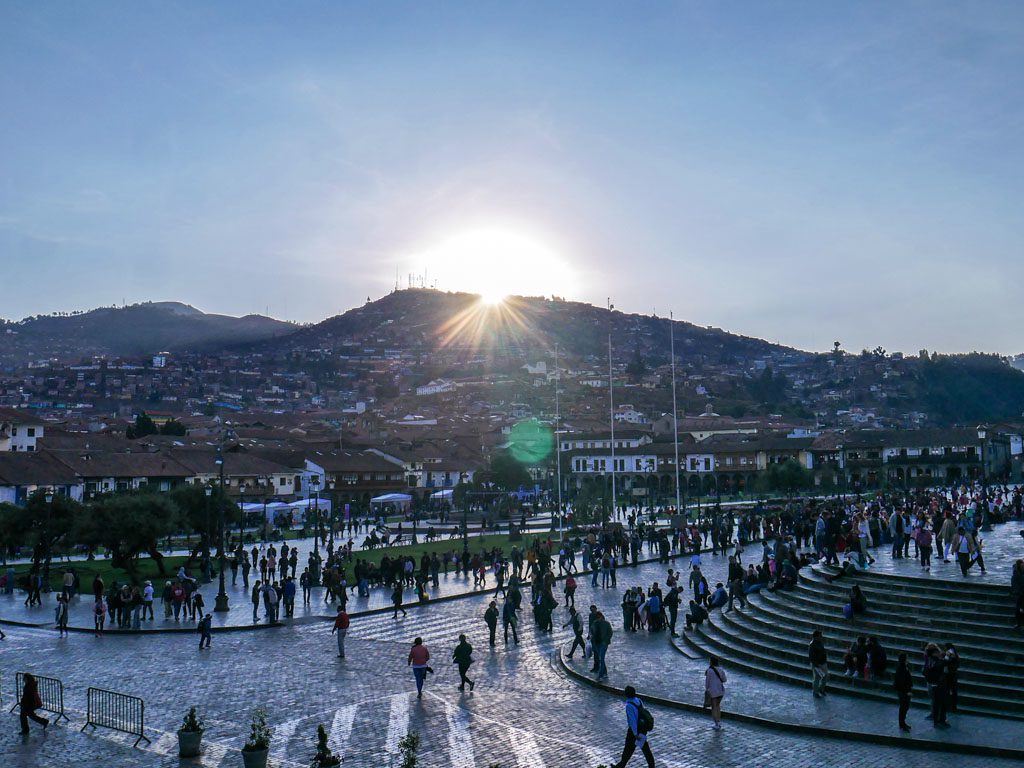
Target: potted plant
point(257, 746)
point(190, 735)
point(323, 758)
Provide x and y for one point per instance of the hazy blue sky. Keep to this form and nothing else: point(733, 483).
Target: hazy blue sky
point(800, 171)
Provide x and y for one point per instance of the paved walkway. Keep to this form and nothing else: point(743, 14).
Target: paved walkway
point(676, 677)
point(524, 712)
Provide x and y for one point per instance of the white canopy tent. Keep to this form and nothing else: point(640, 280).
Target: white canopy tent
point(398, 500)
point(445, 495)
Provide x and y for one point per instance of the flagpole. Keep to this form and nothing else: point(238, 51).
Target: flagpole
point(558, 447)
point(675, 409)
point(611, 401)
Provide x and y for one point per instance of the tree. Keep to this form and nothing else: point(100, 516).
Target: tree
point(173, 427)
point(129, 526)
point(195, 509)
point(142, 427)
point(43, 525)
point(508, 474)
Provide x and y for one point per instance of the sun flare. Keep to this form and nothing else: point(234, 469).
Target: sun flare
point(496, 262)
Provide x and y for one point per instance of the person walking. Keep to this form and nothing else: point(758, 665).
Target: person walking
point(99, 615)
point(257, 592)
point(462, 656)
point(509, 619)
point(204, 630)
point(818, 658)
point(903, 682)
point(601, 639)
point(30, 702)
point(418, 658)
point(147, 601)
point(396, 600)
point(62, 614)
point(491, 620)
point(639, 723)
point(577, 632)
point(340, 628)
point(714, 690)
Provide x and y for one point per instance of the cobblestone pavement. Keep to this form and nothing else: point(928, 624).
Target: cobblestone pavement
point(523, 713)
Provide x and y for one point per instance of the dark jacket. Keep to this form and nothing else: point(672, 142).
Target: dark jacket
point(903, 682)
point(816, 652)
point(463, 654)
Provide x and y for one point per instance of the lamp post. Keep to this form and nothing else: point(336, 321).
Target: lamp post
point(221, 604)
point(46, 563)
point(241, 507)
point(465, 512)
point(332, 499)
point(314, 484)
point(982, 435)
point(206, 538)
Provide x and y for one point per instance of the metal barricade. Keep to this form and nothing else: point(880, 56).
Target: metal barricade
point(117, 711)
point(51, 694)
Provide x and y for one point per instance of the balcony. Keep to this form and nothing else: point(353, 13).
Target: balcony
point(935, 458)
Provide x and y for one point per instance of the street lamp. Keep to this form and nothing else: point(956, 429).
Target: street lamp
point(465, 512)
point(331, 498)
point(241, 506)
point(982, 435)
point(314, 484)
point(46, 564)
point(221, 605)
point(206, 537)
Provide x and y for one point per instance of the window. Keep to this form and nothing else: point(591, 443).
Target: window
point(31, 431)
point(282, 482)
point(30, 447)
point(14, 431)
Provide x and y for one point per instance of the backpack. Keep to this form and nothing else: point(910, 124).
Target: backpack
point(644, 719)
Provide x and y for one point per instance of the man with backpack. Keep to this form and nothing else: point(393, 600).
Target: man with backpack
point(640, 723)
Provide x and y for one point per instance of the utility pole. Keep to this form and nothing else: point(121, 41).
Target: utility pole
point(675, 409)
point(611, 400)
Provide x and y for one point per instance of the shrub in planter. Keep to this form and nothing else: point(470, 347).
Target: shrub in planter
point(190, 735)
point(323, 758)
point(257, 745)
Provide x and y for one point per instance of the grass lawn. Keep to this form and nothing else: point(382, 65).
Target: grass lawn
point(146, 566)
point(88, 569)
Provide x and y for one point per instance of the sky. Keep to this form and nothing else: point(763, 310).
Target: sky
point(803, 172)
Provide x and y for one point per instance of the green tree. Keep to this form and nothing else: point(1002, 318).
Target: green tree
point(129, 526)
point(195, 509)
point(142, 427)
point(173, 427)
point(507, 474)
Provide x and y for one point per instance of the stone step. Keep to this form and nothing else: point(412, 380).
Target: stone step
point(932, 582)
point(994, 648)
point(963, 608)
point(709, 640)
point(818, 604)
point(940, 595)
point(990, 679)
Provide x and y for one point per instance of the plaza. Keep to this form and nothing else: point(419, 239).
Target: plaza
point(530, 707)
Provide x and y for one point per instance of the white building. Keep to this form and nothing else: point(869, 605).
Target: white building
point(19, 431)
point(436, 387)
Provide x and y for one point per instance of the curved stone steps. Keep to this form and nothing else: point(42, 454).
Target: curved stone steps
point(930, 582)
point(815, 608)
point(917, 597)
point(992, 650)
point(793, 668)
point(837, 594)
point(973, 681)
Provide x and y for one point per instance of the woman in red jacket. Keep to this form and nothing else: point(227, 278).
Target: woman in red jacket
point(418, 658)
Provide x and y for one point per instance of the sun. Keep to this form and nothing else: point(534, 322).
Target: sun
point(496, 262)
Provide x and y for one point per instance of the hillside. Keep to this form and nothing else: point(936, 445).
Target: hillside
point(428, 321)
point(139, 329)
